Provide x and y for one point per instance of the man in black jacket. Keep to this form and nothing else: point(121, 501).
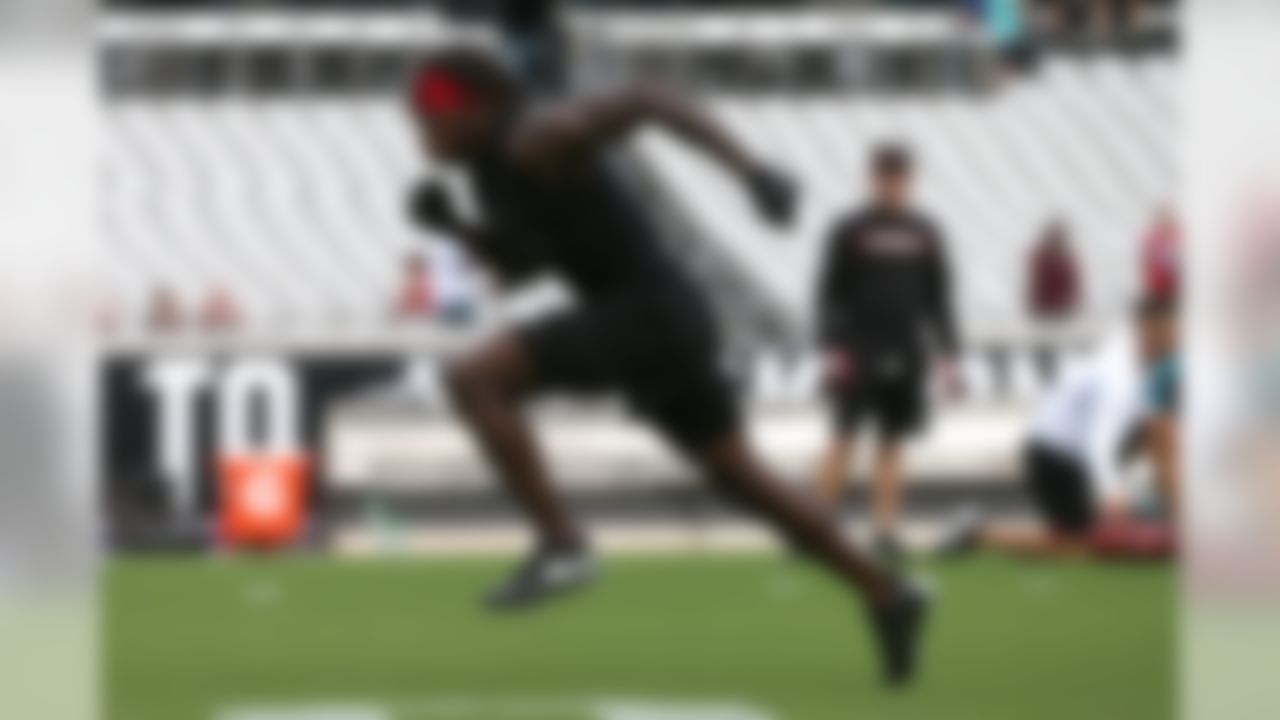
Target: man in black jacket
point(884, 311)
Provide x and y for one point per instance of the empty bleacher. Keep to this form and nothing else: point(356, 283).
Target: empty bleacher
point(297, 206)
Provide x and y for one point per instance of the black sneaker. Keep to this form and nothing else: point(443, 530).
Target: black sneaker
point(961, 536)
point(899, 628)
point(545, 575)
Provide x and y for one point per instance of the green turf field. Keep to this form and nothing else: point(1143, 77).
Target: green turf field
point(749, 638)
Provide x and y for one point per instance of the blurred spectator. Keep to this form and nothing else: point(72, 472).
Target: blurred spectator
point(1053, 279)
point(1099, 18)
point(417, 298)
point(1161, 255)
point(1068, 17)
point(1122, 17)
point(164, 314)
point(220, 311)
point(1054, 289)
point(536, 44)
point(1004, 25)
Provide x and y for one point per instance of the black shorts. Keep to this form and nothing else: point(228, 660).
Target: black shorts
point(890, 392)
point(1061, 490)
point(659, 351)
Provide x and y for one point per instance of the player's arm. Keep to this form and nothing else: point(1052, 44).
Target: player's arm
point(836, 276)
point(430, 207)
point(940, 313)
point(1111, 424)
point(834, 279)
point(565, 135)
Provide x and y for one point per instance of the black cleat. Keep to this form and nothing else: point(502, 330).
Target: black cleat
point(899, 628)
point(546, 575)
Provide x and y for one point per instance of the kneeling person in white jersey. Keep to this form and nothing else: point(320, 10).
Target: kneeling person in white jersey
point(1074, 461)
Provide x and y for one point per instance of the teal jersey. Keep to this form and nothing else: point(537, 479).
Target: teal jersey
point(1004, 21)
point(1164, 386)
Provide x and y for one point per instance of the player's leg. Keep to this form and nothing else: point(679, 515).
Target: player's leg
point(899, 407)
point(1032, 542)
point(1061, 494)
point(886, 488)
point(897, 609)
point(733, 468)
point(1117, 541)
point(691, 404)
point(488, 388)
point(833, 470)
point(847, 401)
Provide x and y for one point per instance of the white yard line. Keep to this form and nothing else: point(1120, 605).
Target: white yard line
point(478, 708)
point(730, 537)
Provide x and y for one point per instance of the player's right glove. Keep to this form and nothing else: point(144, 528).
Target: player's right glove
point(431, 207)
point(774, 193)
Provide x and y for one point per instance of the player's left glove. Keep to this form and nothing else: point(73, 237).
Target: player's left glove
point(775, 194)
point(431, 207)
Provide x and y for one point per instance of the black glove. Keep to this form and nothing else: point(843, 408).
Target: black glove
point(431, 207)
point(775, 195)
